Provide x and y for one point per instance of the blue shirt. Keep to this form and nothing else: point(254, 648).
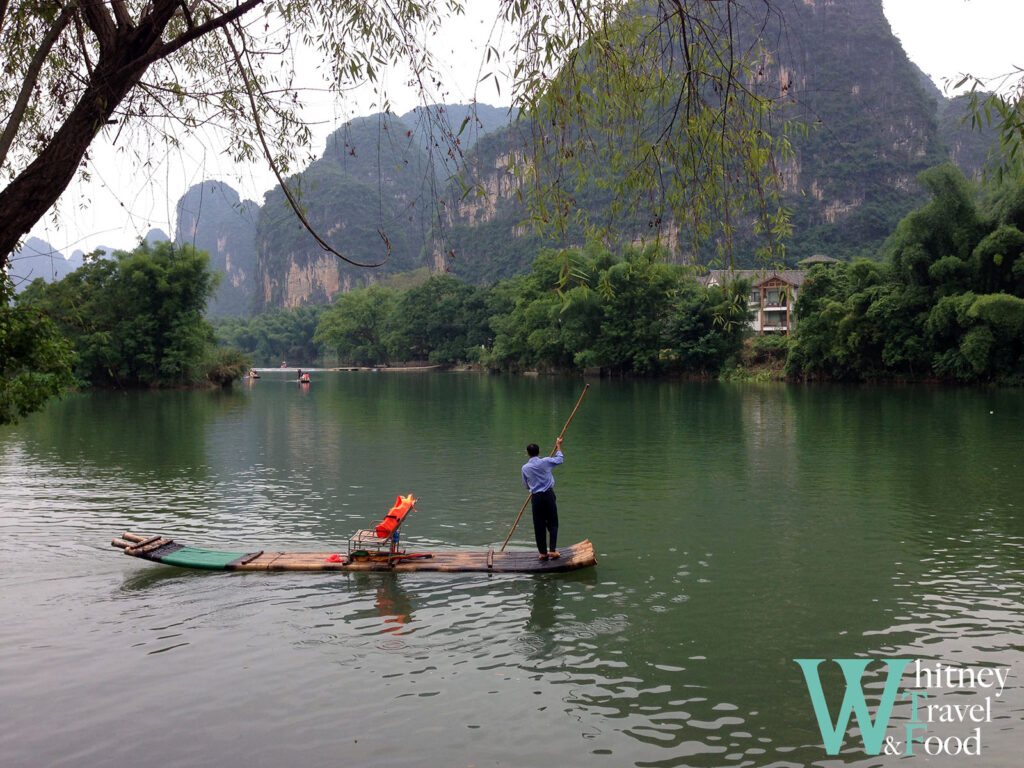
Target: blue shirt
point(537, 472)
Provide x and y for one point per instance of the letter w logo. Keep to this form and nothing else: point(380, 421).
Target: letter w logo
point(853, 669)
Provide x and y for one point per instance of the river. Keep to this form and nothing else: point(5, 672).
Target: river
point(737, 528)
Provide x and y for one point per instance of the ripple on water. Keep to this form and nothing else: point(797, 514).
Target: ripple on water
point(675, 651)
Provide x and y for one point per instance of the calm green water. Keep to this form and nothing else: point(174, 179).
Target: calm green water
point(737, 528)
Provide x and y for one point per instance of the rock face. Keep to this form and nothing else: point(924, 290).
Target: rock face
point(382, 190)
point(872, 125)
point(835, 67)
point(38, 259)
point(370, 197)
point(213, 218)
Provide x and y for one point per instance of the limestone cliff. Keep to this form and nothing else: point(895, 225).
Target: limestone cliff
point(379, 192)
point(835, 67)
point(213, 218)
point(370, 197)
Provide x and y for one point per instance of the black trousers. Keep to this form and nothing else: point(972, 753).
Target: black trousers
point(545, 520)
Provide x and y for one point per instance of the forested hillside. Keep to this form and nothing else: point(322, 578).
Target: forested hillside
point(870, 127)
point(370, 196)
point(864, 122)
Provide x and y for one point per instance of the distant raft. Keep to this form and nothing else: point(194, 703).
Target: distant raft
point(159, 549)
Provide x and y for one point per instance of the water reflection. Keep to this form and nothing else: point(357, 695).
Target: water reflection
point(158, 575)
point(737, 528)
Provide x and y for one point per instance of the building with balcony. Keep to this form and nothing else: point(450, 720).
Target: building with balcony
point(772, 293)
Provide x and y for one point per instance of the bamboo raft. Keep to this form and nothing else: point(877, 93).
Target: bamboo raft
point(163, 550)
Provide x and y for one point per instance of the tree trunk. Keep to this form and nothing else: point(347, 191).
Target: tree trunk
point(126, 52)
point(125, 55)
point(27, 199)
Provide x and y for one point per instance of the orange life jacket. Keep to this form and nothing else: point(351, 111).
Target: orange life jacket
point(387, 526)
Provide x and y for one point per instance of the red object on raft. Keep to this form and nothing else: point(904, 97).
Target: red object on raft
point(387, 526)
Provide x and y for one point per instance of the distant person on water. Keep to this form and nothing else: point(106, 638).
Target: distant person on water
point(538, 479)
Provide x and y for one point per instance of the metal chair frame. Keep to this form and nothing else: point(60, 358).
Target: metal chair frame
point(367, 540)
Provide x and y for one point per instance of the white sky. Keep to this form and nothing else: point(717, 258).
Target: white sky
point(945, 38)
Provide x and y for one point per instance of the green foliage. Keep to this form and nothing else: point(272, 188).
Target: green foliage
point(949, 304)
point(272, 337)
point(35, 360)
point(1003, 113)
point(440, 321)
point(948, 225)
point(634, 314)
point(225, 365)
point(769, 349)
point(996, 257)
point(137, 319)
point(357, 325)
point(613, 134)
point(978, 337)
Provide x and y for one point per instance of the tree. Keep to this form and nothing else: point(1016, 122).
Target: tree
point(35, 360)
point(950, 302)
point(282, 334)
point(357, 325)
point(704, 328)
point(632, 314)
point(638, 291)
point(73, 68)
point(948, 225)
point(136, 319)
point(978, 337)
point(440, 320)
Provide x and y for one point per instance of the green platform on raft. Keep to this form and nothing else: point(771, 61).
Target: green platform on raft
point(195, 557)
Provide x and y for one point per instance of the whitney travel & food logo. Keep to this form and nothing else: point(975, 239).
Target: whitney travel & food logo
point(935, 727)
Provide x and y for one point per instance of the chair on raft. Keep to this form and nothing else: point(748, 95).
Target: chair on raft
point(382, 540)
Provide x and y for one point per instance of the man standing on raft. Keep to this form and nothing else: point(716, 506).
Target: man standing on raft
point(538, 479)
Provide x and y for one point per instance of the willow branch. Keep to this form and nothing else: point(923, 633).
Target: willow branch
point(220, 22)
point(80, 33)
point(31, 77)
point(277, 172)
point(121, 15)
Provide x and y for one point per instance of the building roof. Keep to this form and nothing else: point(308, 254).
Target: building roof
point(758, 276)
point(818, 258)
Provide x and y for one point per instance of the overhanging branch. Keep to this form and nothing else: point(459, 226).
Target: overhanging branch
point(164, 50)
point(32, 76)
point(280, 179)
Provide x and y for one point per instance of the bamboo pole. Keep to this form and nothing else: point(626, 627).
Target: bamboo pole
point(560, 436)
